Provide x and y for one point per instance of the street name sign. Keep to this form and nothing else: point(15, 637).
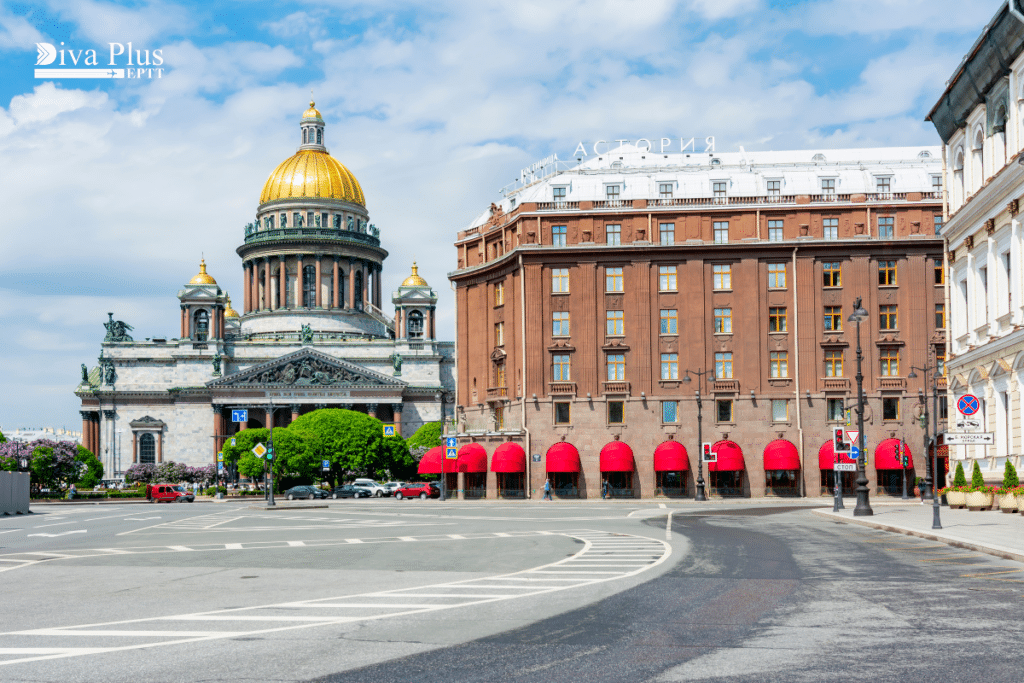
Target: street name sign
point(260, 450)
point(845, 467)
point(969, 438)
point(240, 415)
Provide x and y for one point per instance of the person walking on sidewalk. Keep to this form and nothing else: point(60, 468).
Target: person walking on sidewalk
point(547, 489)
point(605, 490)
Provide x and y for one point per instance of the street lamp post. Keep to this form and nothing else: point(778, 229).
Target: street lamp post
point(269, 462)
point(863, 507)
point(698, 492)
point(930, 482)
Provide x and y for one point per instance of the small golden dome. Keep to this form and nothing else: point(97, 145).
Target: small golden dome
point(230, 312)
point(415, 280)
point(315, 174)
point(203, 278)
point(312, 112)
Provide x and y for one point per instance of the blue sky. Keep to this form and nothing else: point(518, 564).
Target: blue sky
point(112, 190)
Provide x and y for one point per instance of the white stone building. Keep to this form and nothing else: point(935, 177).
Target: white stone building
point(312, 333)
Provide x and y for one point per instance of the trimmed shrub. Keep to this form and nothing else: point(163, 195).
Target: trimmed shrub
point(959, 479)
point(977, 481)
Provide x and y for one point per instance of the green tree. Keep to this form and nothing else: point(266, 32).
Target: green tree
point(296, 453)
point(350, 440)
point(426, 437)
point(977, 481)
point(1010, 478)
point(397, 462)
point(93, 468)
point(3, 439)
point(959, 479)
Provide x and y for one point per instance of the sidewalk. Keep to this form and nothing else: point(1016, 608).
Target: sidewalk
point(994, 533)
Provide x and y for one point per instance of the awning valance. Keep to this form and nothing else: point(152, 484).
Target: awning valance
point(562, 457)
point(781, 455)
point(508, 457)
point(617, 457)
point(671, 457)
point(730, 457)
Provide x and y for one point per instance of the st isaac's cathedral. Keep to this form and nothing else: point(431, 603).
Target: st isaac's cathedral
point(311, 333)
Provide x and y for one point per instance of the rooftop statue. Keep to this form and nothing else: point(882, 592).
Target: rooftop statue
point(117, 330)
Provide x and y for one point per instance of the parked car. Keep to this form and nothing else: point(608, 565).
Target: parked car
point(373, 487)
point(168, 493)
point(393, 486)
point(421, 490)
point(350, 491)
point(308, 492)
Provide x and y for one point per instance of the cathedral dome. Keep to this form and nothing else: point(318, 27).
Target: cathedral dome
point(312, 173)
point(415, 280)
point(202, 278)
point(312, 112)
point(230, 312)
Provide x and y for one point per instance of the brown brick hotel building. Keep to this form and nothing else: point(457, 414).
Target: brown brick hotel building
point(587, 298)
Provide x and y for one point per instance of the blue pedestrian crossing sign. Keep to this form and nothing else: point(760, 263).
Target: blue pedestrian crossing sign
point(450, 453)
point(389, 430)
point(240, 415)
point(220, 457)
point(326, 464)
point(449, 442)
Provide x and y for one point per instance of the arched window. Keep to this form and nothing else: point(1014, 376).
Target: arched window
point(342, 281)
point(201, 327)
point(358, 294)
point(309, 286)
point(147, 448)
point(319, 136)
point(304, 131)
point(958, 178)
point(415, 328)
point(978, 160)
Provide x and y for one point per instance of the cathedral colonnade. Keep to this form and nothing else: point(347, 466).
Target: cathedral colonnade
point(310, 281)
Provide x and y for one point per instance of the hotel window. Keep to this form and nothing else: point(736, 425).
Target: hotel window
point(835, 410)
point(890, 409)
point(774, 189)
point(721, 229)
point(616, 364)
point(562, 413)
point(666, 278)
point(833, 363)
point(887, 272)
point(611, 193)
point(665, 190)
point(940, 316)
point(833, 318)
point(832, 274)
point(722, 276)
point(499, 418)
point(558, 194)
point(669, 411)
point(667, 232)
point(669, 319)
point(616, 412)
point(828, 185)
point(561, 368)
point(883, 185)
point(723, 321)
point(887, 317)
point(560, 324)
point(777, 319)
point(723, 410)
point(613, 279)
point(778, 363)
point(830, 228)
point(885, 227)
point(613, 234)
point(723, 365)
point(615, 323)
point(499, 374)
point(774, 231)
point(499, 294)
point(777, 275)
point(499, 335)
point(558, 235)
point(940, 272)
point(889, 361)
point(559, 280)
point(718, 190)
point(780, 410)
point(938, 223)
point(670, 366)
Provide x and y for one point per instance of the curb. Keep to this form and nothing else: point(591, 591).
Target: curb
point(287, 507)
point(995, 551)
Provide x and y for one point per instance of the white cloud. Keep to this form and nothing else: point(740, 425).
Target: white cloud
point(104, 22)
point(16, 33)
point(48, 101)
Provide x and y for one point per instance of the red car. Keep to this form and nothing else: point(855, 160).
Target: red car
point(422, 490)
point(168, 493)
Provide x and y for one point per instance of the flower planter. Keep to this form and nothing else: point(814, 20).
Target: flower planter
point(979, 500)
point(1020, 503)
point(1008, 503)
point(956, 499)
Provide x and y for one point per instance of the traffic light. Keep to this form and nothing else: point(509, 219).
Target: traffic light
point(839, 442)
point(707, 454)
point(904, 460)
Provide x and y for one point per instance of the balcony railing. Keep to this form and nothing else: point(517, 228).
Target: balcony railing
point(562, 388)
point(265, 235)
point(616, 387)
point(725, 385)
point(497, 393)
point(836, 383)
point(892, 383)
point(754, 200)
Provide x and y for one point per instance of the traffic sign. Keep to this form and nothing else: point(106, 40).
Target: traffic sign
point(233, 440)
point(389, 430)
point(845, 467)
point(240, 415)
point(968, 423)
point(220, 457)
point(260, 450)
point(852, 435)
point(326, 465)
point(969, 438)
point(220, 466)
point(854, 452)
point(840, 442)
point(451, 453)
point(449, 442)
point(968, 404)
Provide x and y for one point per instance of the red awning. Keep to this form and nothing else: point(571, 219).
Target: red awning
point(617, 457)
point(885, 455)
point(827, 456)
point(781, 455)
point(671, 457)
point(730, 457)
point(563, 457)
point(472, 458)
point(508, 457)
point(430, 463)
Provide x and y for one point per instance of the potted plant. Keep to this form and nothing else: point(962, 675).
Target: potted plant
point(917, 486)
point(979, 496)
point(955, 494)
point(1008, 491)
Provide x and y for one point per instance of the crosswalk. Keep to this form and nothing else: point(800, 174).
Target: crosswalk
point(604, 557)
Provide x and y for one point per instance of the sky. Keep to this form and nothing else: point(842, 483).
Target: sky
point(111, 190)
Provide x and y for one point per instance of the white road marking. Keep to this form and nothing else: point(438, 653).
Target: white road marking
point(353, 540)
point(668, 526)
point(233, 546)
point(296, 544)
point(179, 547)
point(63, 533)
point(140, 519)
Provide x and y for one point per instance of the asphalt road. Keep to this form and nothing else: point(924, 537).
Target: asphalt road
point(397, 591)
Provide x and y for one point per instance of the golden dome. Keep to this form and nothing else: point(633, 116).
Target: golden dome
point(203, 278)
point(230, 312)
point(415, 280)
point(314, 174)
point(312, 112)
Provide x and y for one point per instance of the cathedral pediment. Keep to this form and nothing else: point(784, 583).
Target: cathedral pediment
point(307, 368)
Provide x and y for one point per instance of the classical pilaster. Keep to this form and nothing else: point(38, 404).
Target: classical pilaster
point(282, 285)
point(295, 411)
point(351, 284)
point(135, 447)
point(371, 409)
point(267, 279)
point(319, 281)
point(300, 300)
point(335, 301)
point(218, 430)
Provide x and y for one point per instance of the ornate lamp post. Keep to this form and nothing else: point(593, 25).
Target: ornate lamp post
point(269, 462)
point(863, 507)
point(698, 493)
point(934, 469)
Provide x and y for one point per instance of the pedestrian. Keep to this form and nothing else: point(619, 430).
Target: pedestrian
point(71, 492)
point(605, 489)
point(547, 489)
